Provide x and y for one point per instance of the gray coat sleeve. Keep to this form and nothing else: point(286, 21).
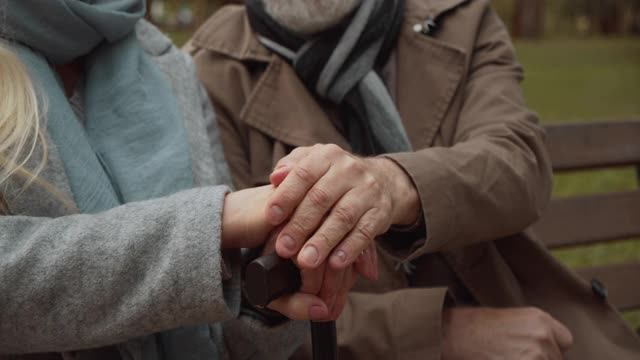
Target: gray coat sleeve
point(82, 281)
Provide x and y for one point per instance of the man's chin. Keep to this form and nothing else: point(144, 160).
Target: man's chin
point(309, 17)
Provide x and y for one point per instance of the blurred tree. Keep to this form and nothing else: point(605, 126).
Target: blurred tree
point(609, 16)
point(605, 17)
point(504, 9)
point(528, 18)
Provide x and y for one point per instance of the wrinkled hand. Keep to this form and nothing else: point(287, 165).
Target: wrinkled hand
point(513, 333)
point(339, 202)
point(312, 305)
point(244, 225)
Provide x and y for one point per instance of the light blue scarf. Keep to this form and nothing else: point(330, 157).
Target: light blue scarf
point(133, 145)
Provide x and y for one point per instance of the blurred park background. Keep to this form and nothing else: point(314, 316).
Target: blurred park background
point(582, 61)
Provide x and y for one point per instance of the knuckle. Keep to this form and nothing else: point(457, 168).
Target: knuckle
point(332, 149)
point(346, 215)
point(284, 199)
point(319, 197)
point(297, 151)
point(324, 242)
point(360, 240)
point(383, 218)
point(299, 227)
point(354, 166)
point(541, 316)
point(535, 312)
point(570, 340)
point(366, 231)
point(371, 182)
point(542, 335)
point(303, 173)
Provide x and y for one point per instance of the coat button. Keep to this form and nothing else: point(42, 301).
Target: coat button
point(599, 289)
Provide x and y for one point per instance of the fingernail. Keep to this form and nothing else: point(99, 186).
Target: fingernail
point(318, 312)
point(309, 255)
point(276, 213)
point(288, 243)
point(340, 257)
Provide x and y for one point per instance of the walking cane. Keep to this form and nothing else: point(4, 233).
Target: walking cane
point(269, 277)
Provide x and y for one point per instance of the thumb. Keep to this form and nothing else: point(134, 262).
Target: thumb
point(278, 175)
point(300, 306)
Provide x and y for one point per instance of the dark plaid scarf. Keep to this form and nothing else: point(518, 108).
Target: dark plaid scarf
point(339, 65)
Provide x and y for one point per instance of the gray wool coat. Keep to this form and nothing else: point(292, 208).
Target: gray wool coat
point(70, 281)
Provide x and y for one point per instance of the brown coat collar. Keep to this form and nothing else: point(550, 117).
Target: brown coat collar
point(421, 62)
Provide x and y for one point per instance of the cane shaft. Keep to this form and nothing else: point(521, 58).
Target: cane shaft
point(268, 278)
point(324, 342)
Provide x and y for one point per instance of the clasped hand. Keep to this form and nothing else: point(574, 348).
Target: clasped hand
point(329, 206)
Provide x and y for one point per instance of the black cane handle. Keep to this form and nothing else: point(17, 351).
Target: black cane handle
point(270, 277)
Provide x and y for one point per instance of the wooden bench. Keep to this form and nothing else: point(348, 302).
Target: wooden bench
point(601, 218)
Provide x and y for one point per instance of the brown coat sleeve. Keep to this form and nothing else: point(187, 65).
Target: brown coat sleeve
point(493, 179)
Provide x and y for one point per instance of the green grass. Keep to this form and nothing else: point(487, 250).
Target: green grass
point(575, 80)
point(584, 80)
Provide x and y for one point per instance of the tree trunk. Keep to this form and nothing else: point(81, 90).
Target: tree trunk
point(528, 19)
point(610, 17)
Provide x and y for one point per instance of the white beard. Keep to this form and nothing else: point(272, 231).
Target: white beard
point(307, 17)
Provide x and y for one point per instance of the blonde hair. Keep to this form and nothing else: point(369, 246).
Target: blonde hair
point(21, 134)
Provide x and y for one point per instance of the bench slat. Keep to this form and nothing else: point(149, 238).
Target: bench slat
point(589, 219)
point(621, 281)
point(594, 145)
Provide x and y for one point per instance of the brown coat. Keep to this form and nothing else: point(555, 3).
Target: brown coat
point(480, 168)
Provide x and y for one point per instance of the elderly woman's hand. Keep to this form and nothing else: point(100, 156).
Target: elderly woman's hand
point(244, 224)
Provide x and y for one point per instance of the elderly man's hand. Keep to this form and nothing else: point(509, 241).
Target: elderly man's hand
point(514, 333)
point(339, 202)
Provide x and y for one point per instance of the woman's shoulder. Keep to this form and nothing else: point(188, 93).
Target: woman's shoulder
point(171, 59)
point(153, 41)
